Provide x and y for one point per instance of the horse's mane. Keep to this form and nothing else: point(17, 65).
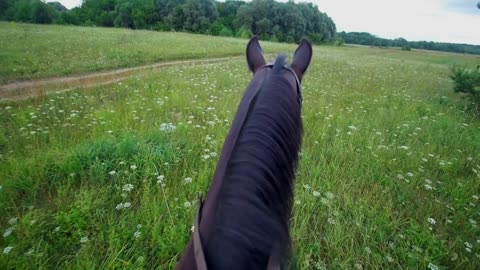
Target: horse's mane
point(252, 214)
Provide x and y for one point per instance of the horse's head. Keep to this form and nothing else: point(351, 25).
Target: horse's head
point(293, 72)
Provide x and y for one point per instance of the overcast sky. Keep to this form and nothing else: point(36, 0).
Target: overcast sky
point(455, 21)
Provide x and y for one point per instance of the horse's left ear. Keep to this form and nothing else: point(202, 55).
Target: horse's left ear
point(302, 58)
point(255, 58)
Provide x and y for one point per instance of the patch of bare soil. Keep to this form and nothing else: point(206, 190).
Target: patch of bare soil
point(35, 88)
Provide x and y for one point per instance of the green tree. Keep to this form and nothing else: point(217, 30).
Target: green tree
point(5, 5)
point(227, 11)
point(198, 15)
point(135, 14)
point(215, 28)
point(175, 19)
point(226, 32)
point(42, 13)
point(99, 12)
point(166, 7)
point(21, 11)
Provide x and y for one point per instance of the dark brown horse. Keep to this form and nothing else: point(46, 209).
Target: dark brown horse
point(244, 221)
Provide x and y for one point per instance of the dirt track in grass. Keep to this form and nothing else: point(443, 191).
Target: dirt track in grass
point(34, 88)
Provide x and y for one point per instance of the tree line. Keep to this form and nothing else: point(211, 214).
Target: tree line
point(371, 40)
point(268, 19)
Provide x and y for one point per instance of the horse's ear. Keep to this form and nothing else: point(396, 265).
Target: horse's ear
point(255, 58)
point(302, 58)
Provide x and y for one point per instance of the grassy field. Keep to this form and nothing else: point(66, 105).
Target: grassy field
point(30, 51)
point(389, 174)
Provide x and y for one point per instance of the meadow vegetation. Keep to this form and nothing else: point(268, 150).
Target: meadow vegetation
point(31, 51)
point(108, 177)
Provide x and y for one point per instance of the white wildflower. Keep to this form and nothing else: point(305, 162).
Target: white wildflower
point(29, 252)
point(7, 250)
point(13, 221)
point(188, 180)
point(121, 206)
point(112, 173)
point(137, 234)
point(127, 187)
point(432, 266)
point(160, 179)
point(133, 167)
point(431, 221)
point(84, 239)
point(167, 127)
point(8, 232)
point(187, 204)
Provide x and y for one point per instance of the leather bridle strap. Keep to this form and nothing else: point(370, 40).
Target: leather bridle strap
point(197, 241)
point(297, 81)
point(274, 261)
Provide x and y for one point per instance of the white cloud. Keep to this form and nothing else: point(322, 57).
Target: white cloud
point(68, 3)
point(411, 19)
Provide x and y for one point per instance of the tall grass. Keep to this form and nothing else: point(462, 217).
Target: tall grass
point(108, 177)
point(30, 51)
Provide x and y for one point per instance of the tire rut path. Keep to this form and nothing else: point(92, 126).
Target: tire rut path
point(41, 87)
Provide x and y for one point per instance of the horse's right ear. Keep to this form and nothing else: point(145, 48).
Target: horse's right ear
point(255, 58)
point(302, 58)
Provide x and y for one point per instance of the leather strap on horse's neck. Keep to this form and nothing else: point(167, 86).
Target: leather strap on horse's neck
point(197, 241)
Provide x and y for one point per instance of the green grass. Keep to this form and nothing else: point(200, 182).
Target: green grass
point(30, 51)
point(388, 150)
